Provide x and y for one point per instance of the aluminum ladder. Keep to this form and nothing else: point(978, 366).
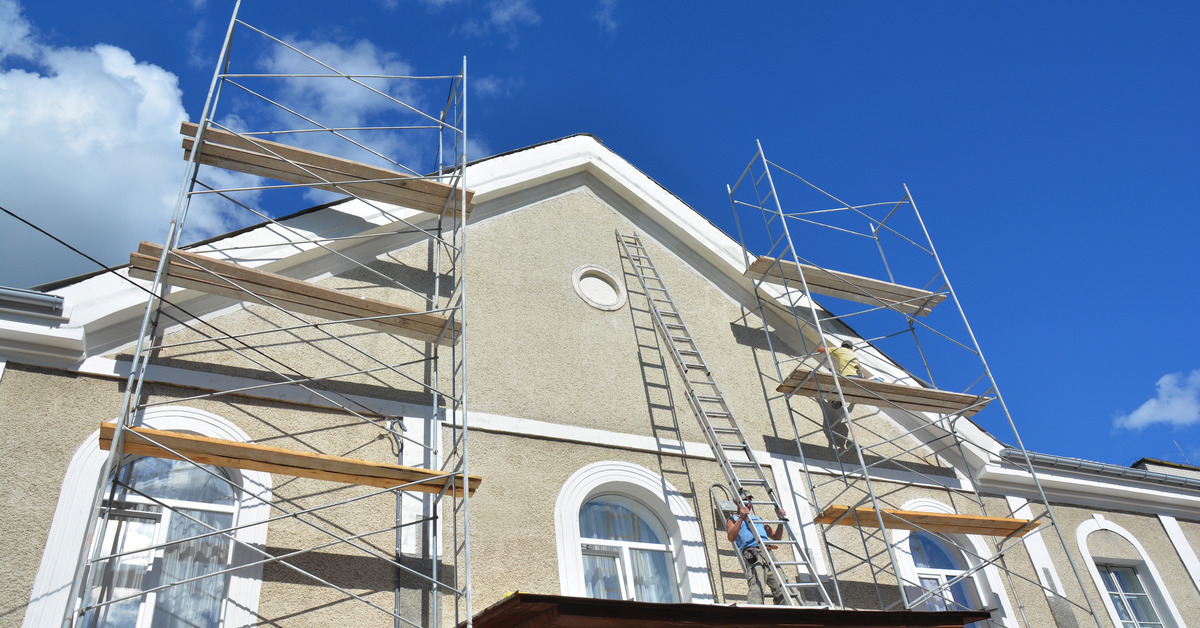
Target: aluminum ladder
point(725, 437)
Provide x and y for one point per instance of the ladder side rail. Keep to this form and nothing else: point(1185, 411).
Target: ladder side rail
point(702, 414)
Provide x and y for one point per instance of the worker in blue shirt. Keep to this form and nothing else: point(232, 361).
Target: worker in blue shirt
point(753, 553)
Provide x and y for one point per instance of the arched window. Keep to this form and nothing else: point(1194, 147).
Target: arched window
point(625, 551)
point(156, 500)
point(622, 531)
point(949, 567)
point(161, 515)
point(1133, 592)
point(938, 565)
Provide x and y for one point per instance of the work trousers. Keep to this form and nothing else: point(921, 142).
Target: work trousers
point(756, 572)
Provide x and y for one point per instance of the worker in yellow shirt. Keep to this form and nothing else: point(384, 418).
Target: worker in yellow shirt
point(846, 362)
point(845, 359)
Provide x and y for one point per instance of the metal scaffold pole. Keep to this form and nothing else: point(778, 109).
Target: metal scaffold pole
point(850, 399)
point(269, 339)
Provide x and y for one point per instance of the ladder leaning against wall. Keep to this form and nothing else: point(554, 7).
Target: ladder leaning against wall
point(725, 437)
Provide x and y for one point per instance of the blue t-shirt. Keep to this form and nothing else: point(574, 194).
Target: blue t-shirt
point(745, 537)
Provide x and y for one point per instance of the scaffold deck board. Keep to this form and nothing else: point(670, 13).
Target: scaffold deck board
point(275, 161)
point(222, 453)
point(926, 521)
point(846, 286)
point(190, 270)
point(870, 392)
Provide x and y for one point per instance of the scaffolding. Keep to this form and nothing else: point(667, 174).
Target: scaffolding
point(868, 430)
point(363, 358)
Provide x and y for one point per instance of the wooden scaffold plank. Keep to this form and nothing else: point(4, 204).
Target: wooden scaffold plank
point(943, 523)
point(271, 160)
point(870, 392)
point(846, 286)
point(223, 453)
point(190, 270)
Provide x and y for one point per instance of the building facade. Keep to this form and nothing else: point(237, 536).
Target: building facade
point(597, 478)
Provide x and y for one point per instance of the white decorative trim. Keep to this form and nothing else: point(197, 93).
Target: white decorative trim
point(1047, 575)
point(653, 491)
point(603, 274)
point(605, 438)
point(1183, 548)
point(1161, 596)
point(794, 497)
point(991, 595)
point(48, 602)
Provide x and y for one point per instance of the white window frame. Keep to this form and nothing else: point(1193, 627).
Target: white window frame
point(621, 549)
point(986, 583)
point(49, 600)
point(1168, 614)
point(649, 489)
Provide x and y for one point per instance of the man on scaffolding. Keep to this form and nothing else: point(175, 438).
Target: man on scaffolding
point(753, 553)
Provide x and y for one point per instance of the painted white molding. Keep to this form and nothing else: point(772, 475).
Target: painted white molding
point(1186, 553)
point(49, 600)
point(654, 492)
point(794, 497)
point(1091, 491)
point(992, 594)
point(1171, 617)
point(1047, 575)
point(598, 287)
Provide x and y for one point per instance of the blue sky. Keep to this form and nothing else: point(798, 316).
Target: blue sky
point(1053, 148)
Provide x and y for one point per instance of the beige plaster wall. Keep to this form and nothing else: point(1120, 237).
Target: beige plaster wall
point(1146, 528)
point(48, 415)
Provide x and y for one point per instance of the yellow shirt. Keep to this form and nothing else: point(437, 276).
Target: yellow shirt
point(847, 362)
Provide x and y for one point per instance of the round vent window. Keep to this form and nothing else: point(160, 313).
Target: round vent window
point(598, 287)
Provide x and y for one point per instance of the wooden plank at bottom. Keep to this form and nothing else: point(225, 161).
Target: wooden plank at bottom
point(223, 453)
point(927, 521)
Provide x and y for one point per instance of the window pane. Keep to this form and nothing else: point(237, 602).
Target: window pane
point(175, 479)
point(196, 603)
point(1143, 611)
point(961, 594)
point(608, 518)
point(931, 553)
point(935, 603)
point(118, 577)
point(601, 575)
point(652, 579)
point(1118, 603)
point(1127, 579)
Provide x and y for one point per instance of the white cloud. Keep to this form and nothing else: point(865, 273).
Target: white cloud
point(15, 32)
point(339, 103)
point(604, 16)
point(1176, 403)
point(495, 86)
point(91, 154)
point(504, 17)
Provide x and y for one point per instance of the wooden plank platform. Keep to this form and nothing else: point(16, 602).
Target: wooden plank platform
point(846, 286)
point(857, 390)
point(224, 453)
point(189, 270)
point(271, 160)
point(927, 521)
